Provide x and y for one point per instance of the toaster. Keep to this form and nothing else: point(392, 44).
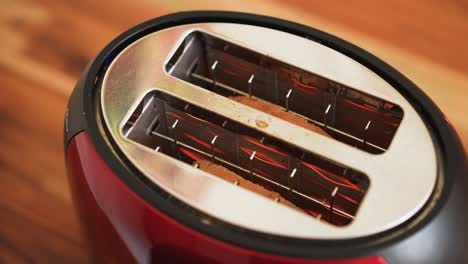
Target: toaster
point(222, 137)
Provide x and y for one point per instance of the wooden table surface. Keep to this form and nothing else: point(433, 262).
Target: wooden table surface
point(45, 44)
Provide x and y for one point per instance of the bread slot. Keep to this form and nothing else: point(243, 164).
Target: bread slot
point(301, 97)
point(249, 158)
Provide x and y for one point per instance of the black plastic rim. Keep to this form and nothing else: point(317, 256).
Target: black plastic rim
point(450, 153)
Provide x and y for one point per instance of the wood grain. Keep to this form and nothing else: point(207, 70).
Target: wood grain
point(47, 43)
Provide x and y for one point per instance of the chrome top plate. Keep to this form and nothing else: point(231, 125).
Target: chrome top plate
point(401, 179)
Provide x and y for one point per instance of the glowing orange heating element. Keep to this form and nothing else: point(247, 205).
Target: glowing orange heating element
point(253, 160)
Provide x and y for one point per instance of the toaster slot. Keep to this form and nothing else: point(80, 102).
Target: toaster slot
point(249, 77)
point(248, 158)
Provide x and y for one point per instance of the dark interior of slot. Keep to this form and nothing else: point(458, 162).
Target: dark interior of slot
point(186, 132)
point(346, 114)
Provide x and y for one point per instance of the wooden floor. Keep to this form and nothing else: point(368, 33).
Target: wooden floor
point(46, 44)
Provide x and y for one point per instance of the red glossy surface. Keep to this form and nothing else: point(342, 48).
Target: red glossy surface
point(124, 228)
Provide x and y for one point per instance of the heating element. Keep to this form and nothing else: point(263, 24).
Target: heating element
point(346, 114)
point(281, 171)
